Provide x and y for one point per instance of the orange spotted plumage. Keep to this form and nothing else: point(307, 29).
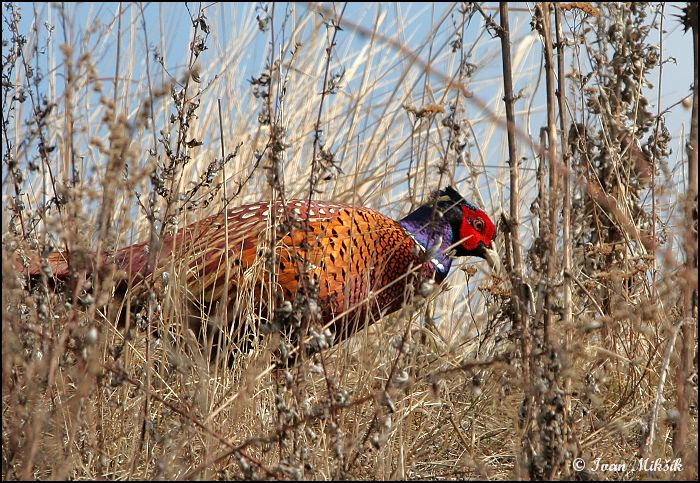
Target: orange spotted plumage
point(357, 261)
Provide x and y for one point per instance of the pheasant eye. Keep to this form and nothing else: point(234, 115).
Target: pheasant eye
point(478, 224)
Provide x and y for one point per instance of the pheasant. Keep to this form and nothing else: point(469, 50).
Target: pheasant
point(349, 265)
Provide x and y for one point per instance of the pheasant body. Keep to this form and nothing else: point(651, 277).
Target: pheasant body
point(352, 261)
point(357, 260)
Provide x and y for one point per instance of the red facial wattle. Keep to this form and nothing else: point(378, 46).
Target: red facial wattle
point(470, 235)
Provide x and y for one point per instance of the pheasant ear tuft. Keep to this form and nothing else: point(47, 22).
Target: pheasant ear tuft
point(451, 195)
point(448, 195)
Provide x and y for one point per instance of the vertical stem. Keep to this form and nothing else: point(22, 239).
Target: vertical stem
point(518, 292)
point(551, 234)
point(517, 275)
point(690, 271)
point(653, 290)
point(566, 216)
point(227, 272)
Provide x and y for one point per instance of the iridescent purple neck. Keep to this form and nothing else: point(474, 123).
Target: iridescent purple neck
point(427, 233)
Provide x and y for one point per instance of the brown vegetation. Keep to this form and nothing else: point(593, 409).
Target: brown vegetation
point(584, 349)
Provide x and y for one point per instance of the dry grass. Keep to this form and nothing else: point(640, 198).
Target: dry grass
point(107, 141)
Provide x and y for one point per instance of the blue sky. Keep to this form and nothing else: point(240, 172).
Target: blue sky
point(418, 20)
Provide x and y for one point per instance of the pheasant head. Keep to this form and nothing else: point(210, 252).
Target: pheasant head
point(449, 225)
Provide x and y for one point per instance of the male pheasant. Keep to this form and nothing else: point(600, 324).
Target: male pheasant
point(348, 265)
